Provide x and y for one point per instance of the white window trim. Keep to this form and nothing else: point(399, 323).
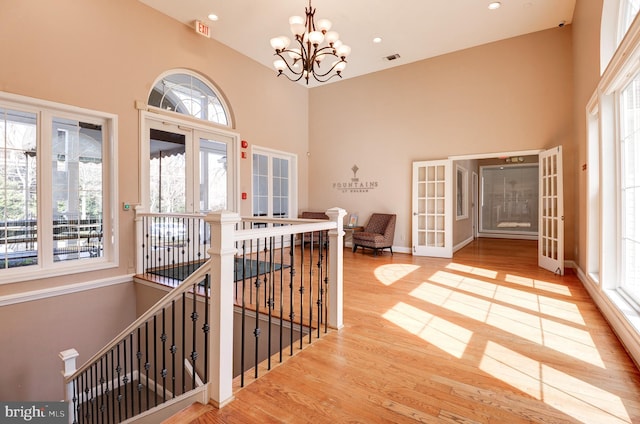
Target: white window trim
point(465, 192)
point(47, 108)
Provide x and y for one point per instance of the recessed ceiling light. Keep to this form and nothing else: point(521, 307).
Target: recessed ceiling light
point(213, 17)
point(377, 40)
point(494, 5)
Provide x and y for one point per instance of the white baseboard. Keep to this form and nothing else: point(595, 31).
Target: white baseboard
point(611, 304)
point(462, 244)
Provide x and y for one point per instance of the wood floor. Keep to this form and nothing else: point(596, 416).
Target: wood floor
point(487, 337)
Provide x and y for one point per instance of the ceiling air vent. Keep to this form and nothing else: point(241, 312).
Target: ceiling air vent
point(392, 57)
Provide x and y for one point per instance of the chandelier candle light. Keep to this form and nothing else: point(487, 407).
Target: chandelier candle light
point(315, 43)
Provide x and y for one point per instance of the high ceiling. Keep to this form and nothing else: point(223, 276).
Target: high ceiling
point(413, 29)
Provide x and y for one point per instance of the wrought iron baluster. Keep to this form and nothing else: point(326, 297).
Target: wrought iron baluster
point(311, 255)
point(183, 353)
point(125, 379)
point(244, 315)
point(147, 365)
point(118, 370)
point(139, 356)
point(131, 373)
point(301, 290)
point(194, 353)
point(256, 331)
point(163, 338)
point(155, 360)
point(268, 279)
point(281, 302)
point(173, 347)
point(206, 327)
point(292, 274)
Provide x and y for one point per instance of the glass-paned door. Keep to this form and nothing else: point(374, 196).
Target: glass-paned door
point(167, 171)
point(213, 175)
point(273, 184)
point(551, 215)
point(432, 209)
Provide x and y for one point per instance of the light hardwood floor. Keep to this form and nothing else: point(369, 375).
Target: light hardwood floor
point(486, 337)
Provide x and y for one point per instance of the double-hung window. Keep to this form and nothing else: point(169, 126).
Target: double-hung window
point(56, 187)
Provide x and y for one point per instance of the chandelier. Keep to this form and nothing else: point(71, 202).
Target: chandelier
point(313, 45)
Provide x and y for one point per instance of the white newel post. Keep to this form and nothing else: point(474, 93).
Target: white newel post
point(335, 268)
point(68, 358)
point(222, 252)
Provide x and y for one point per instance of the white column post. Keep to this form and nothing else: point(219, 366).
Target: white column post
point(222, 252)
point(138, 240)
point(335, 319)
point(68, 358)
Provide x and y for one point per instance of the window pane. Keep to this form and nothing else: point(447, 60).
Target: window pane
point(213, 175)
point(77, 177)
point(167, 171)
point(186, 94)
point(630, 189)
point(509, 199)
point(18, 177)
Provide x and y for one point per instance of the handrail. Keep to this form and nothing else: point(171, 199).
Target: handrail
point(184, 286)
point(284, 230)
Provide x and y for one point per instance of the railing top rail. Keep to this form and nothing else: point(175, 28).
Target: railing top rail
point(294, 228)
point(184, 286)
point(171, 215)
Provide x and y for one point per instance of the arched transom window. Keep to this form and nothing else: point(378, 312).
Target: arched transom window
point(188, 94)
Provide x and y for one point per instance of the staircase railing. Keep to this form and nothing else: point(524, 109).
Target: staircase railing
point(146, 364)
point(284, 275)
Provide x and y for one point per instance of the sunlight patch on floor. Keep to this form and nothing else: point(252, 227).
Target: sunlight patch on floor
point(538, 284)
point(389, 274)
point(471, 285)
point(463, 304)
point(526, 319)
point(534, 302)
point(573, 396)
point(480, 272)
point(443, 334)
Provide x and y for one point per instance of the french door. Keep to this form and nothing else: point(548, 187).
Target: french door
point(432, 220)
point(551, 216)
point(188, 168)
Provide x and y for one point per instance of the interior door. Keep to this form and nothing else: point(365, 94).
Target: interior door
point(432, 221)
point(551, 216)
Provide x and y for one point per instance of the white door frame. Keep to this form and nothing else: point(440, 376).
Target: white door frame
point(195, 130)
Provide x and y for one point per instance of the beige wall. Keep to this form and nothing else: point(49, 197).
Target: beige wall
point(586, 58)
point(105, 54)
point(34, 333)
point(511, 95)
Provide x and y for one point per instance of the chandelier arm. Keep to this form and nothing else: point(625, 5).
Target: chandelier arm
point(330, 70)
point(280, 72)
point(318, 77)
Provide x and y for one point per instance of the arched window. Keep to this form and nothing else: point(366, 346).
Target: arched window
point(617, 17)
point(628, 11)
point(186, 93)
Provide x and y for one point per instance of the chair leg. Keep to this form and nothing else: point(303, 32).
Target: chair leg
point(355, 247)
point(375, 251)
point(391, 250)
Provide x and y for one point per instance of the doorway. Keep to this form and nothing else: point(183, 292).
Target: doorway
point(188, 168)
